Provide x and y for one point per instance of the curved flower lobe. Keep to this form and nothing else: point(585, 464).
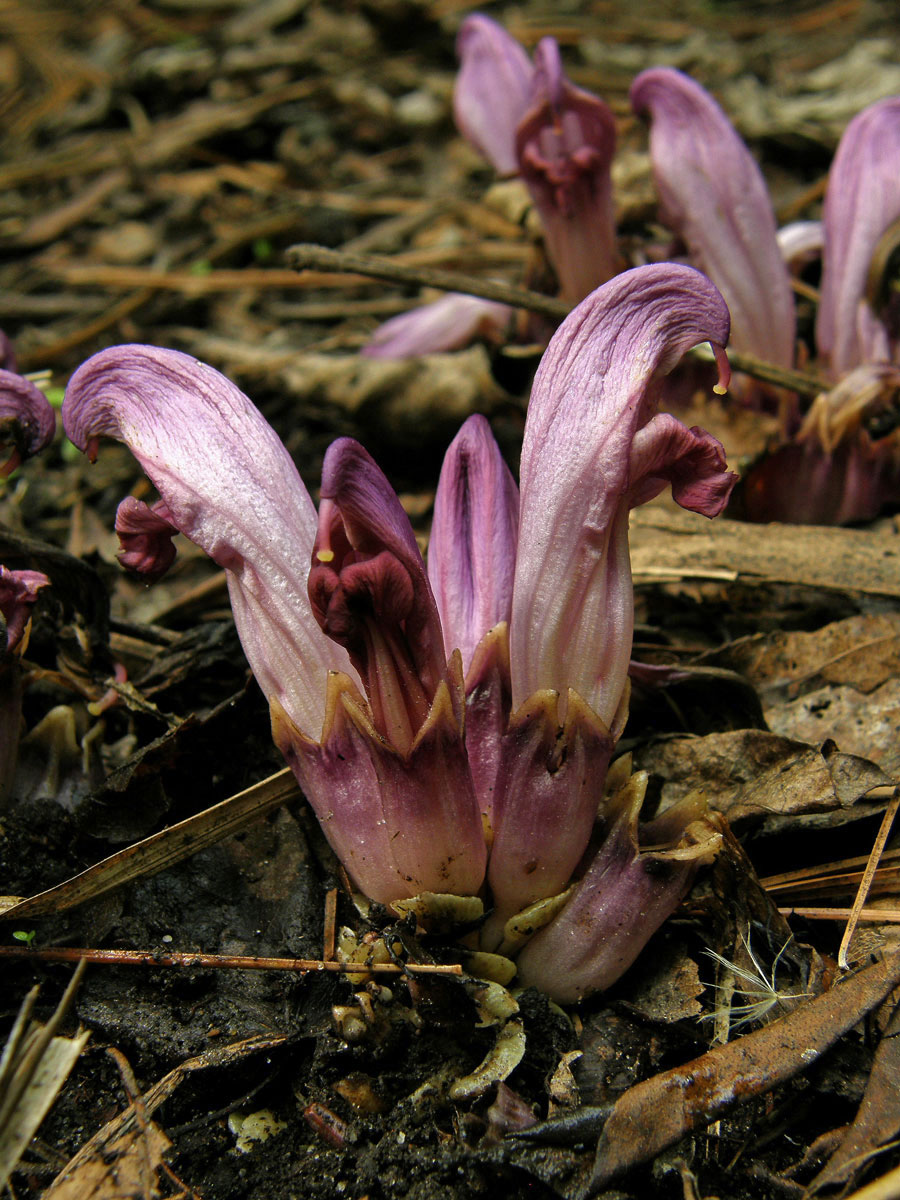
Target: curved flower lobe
point(18, 592)
point(145, 536)
point(228, 484)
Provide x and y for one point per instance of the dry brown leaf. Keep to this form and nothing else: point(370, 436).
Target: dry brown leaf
point(56, 1062)
point(118, 1170)
point(33, 1067)
point(867, 725)
point(135, 1141)
point(878, 1119)
point(862, 651)
point(753, 773)
point(670, 991)
point(659, 1112)
point(841, 681)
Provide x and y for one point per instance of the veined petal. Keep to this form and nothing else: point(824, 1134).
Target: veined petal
point(622, 900)
point(492, 89)
point(27, 420)
point(565, 144)
point(487, 716)
point(472, 551)
point(714, 196)
point(862, 201)
point(228, 484)
point(595, 388)
point(374, 522)
point(447, 324)
point(340, 780)
point(549, 785)
point(432, 807)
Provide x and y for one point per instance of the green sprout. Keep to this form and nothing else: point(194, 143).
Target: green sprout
point(21, 936)
point(262, 249)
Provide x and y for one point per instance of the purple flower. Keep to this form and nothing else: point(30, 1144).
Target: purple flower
point(528, 119)
point(565, 143)
point(713, 195)
point(447, 324)
point(451, 727)
point(18, 592)
point(27, 420)
point(493, 90)
point(837, 468)
point(531, 119)
point(861, 203)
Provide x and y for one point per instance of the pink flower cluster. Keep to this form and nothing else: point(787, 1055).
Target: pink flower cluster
point(451, 725)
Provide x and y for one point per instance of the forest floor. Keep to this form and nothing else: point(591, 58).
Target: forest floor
point(159, 157)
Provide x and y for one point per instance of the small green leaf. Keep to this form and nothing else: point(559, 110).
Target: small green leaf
point(262, 249)
point(21, 936)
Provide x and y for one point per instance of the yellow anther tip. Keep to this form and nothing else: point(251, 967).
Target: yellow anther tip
point(325, 556)
point(719, 389)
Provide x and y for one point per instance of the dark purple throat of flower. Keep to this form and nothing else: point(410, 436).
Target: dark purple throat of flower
point(564, 170)
point(363, 602)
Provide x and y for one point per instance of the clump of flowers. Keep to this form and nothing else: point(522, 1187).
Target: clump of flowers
point(841, 461)
point(452, 725)
point(838, 462)
point(526, 118)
